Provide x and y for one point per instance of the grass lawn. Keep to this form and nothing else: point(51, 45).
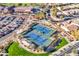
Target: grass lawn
point(63, 43)
point(21, 4)
point(16, 50)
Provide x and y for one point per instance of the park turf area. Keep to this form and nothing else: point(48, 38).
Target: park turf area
point(63, 43)
point(16, 50)
point(20, 4)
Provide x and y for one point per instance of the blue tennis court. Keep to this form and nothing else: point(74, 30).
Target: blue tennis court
point(35, 38)
point(39, 35)
point(42, 29)
point(31, 35)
